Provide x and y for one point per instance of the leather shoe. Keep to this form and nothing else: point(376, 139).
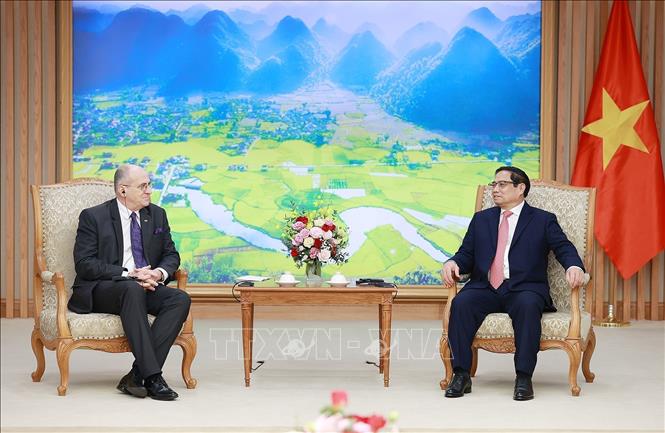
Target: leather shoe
point(158, 389)
point(523, 388)
point(460, 385)
point(132, 385)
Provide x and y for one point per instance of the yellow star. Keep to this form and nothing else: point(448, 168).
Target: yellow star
point(617, 127)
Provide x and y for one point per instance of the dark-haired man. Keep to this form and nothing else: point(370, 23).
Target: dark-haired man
point(505, 250)
point(124, 256)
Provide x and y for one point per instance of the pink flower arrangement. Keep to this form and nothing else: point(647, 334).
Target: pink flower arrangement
point(334, 420)
point(315, 237)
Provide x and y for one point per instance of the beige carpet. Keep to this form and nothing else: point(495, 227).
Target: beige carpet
point(305, 360)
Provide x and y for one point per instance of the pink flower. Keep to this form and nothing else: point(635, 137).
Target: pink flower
point(339, 398)
point(304, 233)
point(298, 239)
point(316, 232)
point(361, 427)
point(313, 252)
point(298, 225)
point(327, 235)
point(324, 255)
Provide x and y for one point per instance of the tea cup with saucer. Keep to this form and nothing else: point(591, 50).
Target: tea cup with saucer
point(338, 280)
point(287, 280)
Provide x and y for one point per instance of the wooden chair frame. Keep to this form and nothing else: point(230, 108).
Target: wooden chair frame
point(64, 344)
point(578, 350)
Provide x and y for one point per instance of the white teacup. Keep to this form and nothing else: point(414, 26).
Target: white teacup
point(287, 277)
point(338, 278)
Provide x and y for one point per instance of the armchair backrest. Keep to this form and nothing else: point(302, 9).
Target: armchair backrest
point(574, 208)
point(57, 208)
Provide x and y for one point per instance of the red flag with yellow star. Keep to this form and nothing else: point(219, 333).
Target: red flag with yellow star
point(619, 152)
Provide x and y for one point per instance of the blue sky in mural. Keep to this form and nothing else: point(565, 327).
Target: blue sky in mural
point(389, 112)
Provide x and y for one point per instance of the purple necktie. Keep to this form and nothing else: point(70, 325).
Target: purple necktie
point(137, 243)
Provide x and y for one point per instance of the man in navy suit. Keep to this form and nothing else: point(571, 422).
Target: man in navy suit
point(124, 256)
point(505, 250)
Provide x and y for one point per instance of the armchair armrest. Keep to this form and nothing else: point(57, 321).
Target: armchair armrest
point(42, 274)
point(574, 331)
point(181, 276)
point(451, 294)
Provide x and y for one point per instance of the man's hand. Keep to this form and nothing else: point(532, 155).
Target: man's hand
point(575, 276)
point(146, 277)
point(450, 273)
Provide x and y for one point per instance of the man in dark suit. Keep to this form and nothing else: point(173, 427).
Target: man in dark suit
point(124, 256)
point(505, 250)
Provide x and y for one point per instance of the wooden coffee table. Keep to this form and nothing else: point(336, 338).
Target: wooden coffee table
point(383, 297)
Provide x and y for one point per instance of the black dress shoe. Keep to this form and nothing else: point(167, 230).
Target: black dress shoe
point(460, 385)
point(158, 389)
point(132, 385)
point(523, 388)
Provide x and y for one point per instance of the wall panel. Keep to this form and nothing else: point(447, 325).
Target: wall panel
point(27, 119)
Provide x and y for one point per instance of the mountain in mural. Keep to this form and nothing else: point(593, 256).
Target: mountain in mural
point(359, 63)
point(218, 57)
point(394, 85)
point(191, 15)
point(483, 21)
point(470, 86)
point(90, 20)
point(139, 46)
point(519, 40)
point(331, 37)
point(519, 34)
point(419, 35)
point(290, 55)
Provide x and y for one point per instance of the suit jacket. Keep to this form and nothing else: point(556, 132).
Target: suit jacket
point(99, 246)
point(537, 232)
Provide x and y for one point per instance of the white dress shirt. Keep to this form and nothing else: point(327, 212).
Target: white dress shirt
point(127, 256)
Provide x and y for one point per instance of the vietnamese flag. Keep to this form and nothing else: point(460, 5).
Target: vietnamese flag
point(619, 152)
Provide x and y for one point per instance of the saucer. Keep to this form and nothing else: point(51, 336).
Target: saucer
point(338, 283)
point(287, 283)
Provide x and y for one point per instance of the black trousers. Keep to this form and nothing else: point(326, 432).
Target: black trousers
point(471, 306)
point(150, 345)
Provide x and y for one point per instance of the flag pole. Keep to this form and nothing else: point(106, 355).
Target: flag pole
point(610, 321)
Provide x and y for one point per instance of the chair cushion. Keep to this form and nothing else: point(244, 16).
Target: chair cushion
point(554, 326)
point(95, 326)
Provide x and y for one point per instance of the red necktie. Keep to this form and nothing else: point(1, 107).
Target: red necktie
point(496, 271)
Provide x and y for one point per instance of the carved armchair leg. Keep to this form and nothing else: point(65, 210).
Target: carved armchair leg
point(188, 345)
point(446, 357)
point(38, 349)
point(586, 357)
point(62, 354)
point(474, 361)
point(574, 355)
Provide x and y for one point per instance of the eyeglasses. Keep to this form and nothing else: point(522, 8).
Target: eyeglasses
point(143, 187)
point(501, 184)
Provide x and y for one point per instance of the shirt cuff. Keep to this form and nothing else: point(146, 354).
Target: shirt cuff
point(125, 274)
point(165, 275)
point(576, 267)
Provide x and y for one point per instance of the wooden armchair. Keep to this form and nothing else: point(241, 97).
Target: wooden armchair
point(57, 208)
point(569, 328)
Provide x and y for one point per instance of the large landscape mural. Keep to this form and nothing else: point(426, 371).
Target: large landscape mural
point(390, 113)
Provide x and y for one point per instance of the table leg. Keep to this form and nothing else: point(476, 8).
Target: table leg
point(247, 328)
point(386, 318)
point(251, 335)
point(380, 339)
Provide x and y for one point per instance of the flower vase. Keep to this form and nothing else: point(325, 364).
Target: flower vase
point(313, 274)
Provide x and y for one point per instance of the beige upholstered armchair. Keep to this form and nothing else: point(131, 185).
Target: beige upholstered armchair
point(570, 327)
point(57, 208)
